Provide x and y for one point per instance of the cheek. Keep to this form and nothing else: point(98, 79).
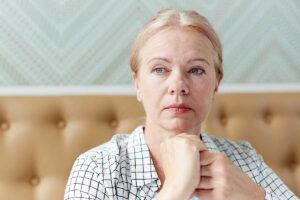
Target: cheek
point(150, 84)
point(145, 87)
point(150, 92)
point(203, 95)
point(153, 102)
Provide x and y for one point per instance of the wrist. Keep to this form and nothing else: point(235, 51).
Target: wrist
point(172, 192)
point(262, 193)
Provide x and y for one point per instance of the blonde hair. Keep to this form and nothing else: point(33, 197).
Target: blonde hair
point(171, 17)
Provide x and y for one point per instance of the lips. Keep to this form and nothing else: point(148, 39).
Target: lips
point(178, 107)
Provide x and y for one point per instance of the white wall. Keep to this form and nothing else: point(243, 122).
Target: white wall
point(87, 42)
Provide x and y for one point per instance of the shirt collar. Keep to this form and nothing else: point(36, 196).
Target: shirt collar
point(141, 165)
point(209, 143)
point(143, 173)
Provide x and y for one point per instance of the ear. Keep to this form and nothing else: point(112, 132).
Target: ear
point(218, 81)
point(135, 79)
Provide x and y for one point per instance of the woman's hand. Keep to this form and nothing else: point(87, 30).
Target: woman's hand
point(180, 161)
point(221, 179)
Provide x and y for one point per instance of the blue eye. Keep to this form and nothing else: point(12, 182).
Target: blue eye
point(159, 70)
point(197, 71)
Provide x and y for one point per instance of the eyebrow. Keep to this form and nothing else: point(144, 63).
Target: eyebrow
point(189, 61)
point(159, 58)
point(198, 59)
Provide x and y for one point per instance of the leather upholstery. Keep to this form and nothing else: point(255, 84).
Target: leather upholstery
point(40, 136)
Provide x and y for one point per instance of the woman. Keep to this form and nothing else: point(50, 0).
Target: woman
point(176, 64)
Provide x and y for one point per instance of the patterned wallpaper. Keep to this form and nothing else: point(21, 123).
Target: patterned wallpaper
point(87, 42)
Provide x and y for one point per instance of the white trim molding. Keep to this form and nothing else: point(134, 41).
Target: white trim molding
point(258, 88)
point(66, 90)
point(129, 89)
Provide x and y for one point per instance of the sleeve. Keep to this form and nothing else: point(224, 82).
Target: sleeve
point(273, 185)
point(83, 182)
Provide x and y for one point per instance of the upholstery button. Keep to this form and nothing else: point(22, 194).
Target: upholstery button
point(223, 119)
point(35, 181)
point(114, 123)
point(293, 166)
point(267, 117)
point(4, 126)
point(61, 124)
point(292, 163)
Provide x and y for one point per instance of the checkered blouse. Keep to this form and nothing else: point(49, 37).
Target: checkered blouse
point(122, 169)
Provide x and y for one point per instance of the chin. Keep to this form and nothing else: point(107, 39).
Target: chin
point(180, 126)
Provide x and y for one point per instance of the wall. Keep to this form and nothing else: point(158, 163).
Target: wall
point(87, 42)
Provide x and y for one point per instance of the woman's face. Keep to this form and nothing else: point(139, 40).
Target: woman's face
point(176, 80)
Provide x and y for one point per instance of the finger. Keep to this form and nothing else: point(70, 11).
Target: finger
point(207, 158)
point(195, 139)
point(204, 194)
point(206, 182)
point(206, 170)
point(189, 136)
point(209, 169)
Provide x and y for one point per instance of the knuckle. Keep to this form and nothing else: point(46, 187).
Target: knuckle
point(222, 174)
point(222, 157)
point(177, 139)
point(223, 192)
point(195, 149)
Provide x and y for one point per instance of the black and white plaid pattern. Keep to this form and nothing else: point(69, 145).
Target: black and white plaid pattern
point(122, 169)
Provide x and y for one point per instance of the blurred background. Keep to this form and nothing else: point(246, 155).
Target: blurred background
point(87, 42)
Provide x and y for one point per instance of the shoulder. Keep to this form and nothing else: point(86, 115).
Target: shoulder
point(104, 158)
point(94, 171)
point(108, 149)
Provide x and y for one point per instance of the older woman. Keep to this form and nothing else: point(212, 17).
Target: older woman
point(176, 64)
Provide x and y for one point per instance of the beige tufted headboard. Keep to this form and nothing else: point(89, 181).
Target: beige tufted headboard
point(40, 136)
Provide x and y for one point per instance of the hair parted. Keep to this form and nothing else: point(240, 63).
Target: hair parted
point(174, 18)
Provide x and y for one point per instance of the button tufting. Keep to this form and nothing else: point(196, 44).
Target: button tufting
point(292, 163)
point(4, 126)
point(267, 117)
point(61, 124)
point(35, 181)
point(223, 119)
point(114, 123)
point(293, 166)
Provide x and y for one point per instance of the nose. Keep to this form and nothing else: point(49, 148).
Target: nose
point(181, 92)
point(177, 84)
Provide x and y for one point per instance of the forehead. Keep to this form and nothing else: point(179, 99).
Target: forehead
point(177, 42)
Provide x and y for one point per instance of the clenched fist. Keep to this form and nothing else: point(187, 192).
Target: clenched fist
point(180, 161)
point(191, 170)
